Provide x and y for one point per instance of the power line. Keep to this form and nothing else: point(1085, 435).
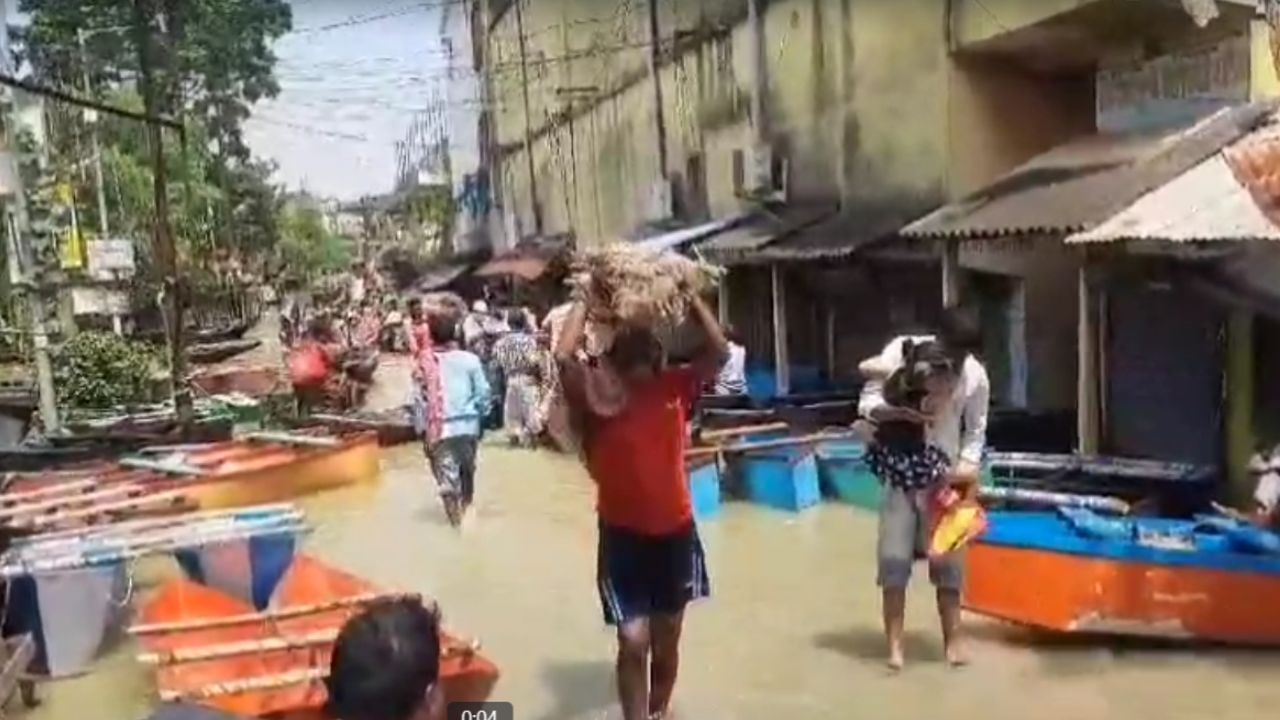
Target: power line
point(310, 129)
point(366, 19)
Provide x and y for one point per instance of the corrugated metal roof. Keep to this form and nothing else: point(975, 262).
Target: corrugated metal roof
point(1080, 184)
point(683, 236)
point(1204, 204)
point(743, 242)
point(842, 235)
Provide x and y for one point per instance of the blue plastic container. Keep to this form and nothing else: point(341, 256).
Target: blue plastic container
point(784, 479)
point(704, 488)
point(843, 471)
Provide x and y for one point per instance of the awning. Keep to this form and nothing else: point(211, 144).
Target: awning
point(683, 236)
point(743, 242)
point(1081, 184)
point(527, 267)
point(838, 236)
point(441, 277)
point(1203, 205)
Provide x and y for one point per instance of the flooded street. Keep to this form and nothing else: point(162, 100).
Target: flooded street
point(791, 630)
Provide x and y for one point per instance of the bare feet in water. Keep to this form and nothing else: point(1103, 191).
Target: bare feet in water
point(895, 661)
point(956, 656)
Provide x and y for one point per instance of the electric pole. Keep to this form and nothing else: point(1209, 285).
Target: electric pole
point(165, 250)
point(655, 70)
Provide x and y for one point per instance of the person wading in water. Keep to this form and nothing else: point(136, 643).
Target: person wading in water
point(386, 665)
point(930, 431)
point(631, 413)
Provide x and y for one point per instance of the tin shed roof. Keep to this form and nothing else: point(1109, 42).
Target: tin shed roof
point(1076, 186)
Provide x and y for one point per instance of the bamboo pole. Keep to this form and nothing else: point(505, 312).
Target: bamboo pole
point(169, 468)
point(111, 491)
point(769, 445)
point(131, 503)
point(127, 525)
point(271, 615)
point(193, 529)
point(711, 435)
point(294, 439)
point(23, 567)
point(60, 488)
point(217, 651)
point(290, 678)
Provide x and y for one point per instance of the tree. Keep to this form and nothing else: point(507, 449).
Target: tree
point(212, 60)
point(214, 56)
point(307, 248)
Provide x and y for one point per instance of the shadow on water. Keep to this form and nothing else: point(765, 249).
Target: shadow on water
point(866, 643)
point(581, 689)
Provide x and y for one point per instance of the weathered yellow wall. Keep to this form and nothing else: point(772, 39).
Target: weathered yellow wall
point(856, 103)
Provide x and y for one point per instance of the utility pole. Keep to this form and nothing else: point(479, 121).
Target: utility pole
point(759, 91)
point(165, 250)
point(21, 273)
point(528, 121)
point(655, 71)
point(91, 116)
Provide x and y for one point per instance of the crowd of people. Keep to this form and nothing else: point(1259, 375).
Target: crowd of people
point(617, 401)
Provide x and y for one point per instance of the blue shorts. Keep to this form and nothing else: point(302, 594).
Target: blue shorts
point(643, 575)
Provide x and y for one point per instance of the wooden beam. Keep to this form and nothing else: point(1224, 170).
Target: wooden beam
point(781, 360)
point(950, 272)
point(1238, 428)
point(1087, 374)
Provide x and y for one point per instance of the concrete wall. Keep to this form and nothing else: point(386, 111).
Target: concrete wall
point(857, 110)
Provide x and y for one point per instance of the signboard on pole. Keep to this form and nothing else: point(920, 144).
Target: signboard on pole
point(111, 259)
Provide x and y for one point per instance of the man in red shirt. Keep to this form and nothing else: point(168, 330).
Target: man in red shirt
point(632, 413)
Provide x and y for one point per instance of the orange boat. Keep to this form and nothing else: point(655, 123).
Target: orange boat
point(215, 650)
point(240, 473)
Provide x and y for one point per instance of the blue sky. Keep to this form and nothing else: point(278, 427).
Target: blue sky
point(348, 93)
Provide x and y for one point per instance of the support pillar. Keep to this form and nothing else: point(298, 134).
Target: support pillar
point(781, 361)
point(950, 273)
point(1088, 415)
point(1238, 428)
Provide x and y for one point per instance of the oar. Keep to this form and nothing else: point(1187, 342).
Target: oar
point(270, 615)
point(168, 468)
point(294, 439)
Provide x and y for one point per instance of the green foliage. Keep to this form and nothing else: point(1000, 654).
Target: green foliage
point(101, 370)
point(307, 248)
point(211, 60)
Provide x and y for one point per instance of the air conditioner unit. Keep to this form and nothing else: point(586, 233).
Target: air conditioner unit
point(660, 204)
point(766, 176)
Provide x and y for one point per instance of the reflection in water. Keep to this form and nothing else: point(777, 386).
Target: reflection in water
point(791, 630)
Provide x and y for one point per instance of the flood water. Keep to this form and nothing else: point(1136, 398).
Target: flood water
point(791, 630)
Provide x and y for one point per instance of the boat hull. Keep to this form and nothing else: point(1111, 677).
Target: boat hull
point(297, 473)
point(69, 613)
point(1150, 593)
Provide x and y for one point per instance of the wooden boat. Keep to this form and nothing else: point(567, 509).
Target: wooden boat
point(211, 649)
point(1170, 489)
point(1210, 579)
point(218, 351)
point(257, 469)
point(252, 380)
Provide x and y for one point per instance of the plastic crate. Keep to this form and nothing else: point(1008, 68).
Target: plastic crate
point(704, 489)
point(845, 476)
point(783, 479)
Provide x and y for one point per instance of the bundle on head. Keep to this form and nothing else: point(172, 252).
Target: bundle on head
point(633, 286)
point(444, 304)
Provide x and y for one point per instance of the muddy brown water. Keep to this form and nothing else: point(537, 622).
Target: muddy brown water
point(791, 630)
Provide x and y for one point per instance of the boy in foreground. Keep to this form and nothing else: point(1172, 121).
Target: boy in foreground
point(631, 412)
